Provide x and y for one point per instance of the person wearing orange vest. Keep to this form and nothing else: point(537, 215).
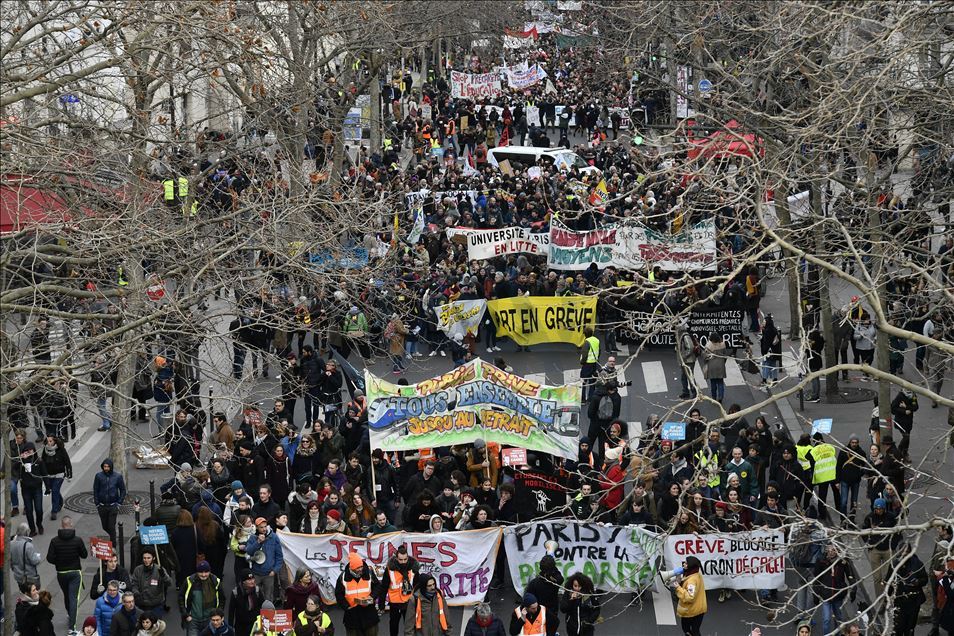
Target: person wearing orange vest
point(400, 575)
point(355, 592)
point(529, 618)
point(426, 610)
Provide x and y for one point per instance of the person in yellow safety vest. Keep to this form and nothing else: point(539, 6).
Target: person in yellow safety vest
point(435, 144)
point(707, 461)
point(823, 459)
point(529, 618)
point(387, 144)
point(355, 592)
point(312, 621)
point(121, 277)
point(175, 190)
point(426, 610)
point(258, 628)
point(589, 359)
point(399, 578)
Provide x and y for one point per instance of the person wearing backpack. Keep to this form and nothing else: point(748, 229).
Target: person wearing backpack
point(604, 407)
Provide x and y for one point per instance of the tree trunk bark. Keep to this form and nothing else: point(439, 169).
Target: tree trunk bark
point(375, 87)
point(791, 264)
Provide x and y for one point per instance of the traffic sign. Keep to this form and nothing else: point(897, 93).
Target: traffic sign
point(705, 86)
point(153, 535)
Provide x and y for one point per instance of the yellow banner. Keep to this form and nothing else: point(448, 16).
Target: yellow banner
point(531, 320)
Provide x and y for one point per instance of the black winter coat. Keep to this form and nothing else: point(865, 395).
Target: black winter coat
point(581, 613)
point(66, 551)
point(496, 627)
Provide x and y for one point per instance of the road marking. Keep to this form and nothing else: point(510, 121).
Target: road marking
point(78, 458)
point(662, 606)
point(655, 376)
point(699, 376)
point(537, 377)
point(733, 373)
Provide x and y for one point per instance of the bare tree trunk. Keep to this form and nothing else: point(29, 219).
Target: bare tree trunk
point(375, 79)
point(791, 265)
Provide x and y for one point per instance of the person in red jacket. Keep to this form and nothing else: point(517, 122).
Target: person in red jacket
point(617, 458)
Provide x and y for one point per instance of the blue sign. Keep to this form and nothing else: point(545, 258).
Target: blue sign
point(674, 431)
point(705, 86)
point(354, 258)
point(153, 535)
point(69, 98)
point(822, 426)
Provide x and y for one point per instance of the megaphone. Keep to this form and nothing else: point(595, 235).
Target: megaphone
point(551, 547)
point(668, 575)
point(258, 558)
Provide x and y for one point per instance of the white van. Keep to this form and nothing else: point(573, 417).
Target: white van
point(527, 156)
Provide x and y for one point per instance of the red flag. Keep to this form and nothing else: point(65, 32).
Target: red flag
point(504, 137)
point(532, 33)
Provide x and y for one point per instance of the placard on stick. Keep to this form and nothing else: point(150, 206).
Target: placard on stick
point(101, 548)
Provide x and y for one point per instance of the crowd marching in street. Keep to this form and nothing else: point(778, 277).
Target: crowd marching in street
point(307, 462)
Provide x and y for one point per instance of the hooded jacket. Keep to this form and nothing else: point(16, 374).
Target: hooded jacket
point(106, 606)
point(108, 490)
point(691, 591)
point(66, 551)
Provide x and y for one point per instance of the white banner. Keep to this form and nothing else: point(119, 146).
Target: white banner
point(738, 561)
point(633, 247)
point(484, 244)
point(412, 198)
point(522, 79)
point(460, 317)
point(462, 562)
point(617, 558)
point(533, 116)
point(470, 85)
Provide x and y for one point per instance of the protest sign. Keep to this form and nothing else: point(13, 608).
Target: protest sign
point(639, 247)
point(726, 323)
point(617, 558)
point(674, 431)
point(153, 535)
point(474, 401)
point(101, 548)
point(412, 198)
point(417, 223)
point(277, 621)
point(460, 317)
point(538, 495)
point(633, 247)
point(822, 425)
point(572, 250)
point(533, 116)
point(462, 562)
point(521, 79)
point(514, 456)
point(530, 320)
point(346, 258)
point(738, 561)
point(475, 85)
point(484, 244)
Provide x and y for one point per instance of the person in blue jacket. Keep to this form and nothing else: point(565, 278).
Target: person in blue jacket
point(266, 572)
point(107, 605)
point(109, 492)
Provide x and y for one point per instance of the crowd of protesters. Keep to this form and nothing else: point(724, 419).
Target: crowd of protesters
point(239, 481)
